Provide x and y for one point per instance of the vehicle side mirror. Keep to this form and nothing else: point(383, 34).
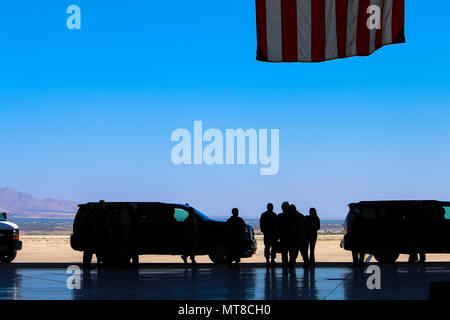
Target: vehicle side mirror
point(4, 216)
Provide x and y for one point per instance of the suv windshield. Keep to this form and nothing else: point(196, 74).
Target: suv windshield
point(202, 216)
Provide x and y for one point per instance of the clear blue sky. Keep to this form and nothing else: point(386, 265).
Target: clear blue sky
point(87, 114)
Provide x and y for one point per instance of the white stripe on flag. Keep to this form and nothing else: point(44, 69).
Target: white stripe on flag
point(352, 26)
point(331, 49)
point(274, 37)
point(387, 21)
point(304, 30)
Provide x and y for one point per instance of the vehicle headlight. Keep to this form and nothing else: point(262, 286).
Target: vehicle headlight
point(16, 234)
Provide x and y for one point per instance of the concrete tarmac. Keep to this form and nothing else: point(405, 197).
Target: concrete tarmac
point(253, 281)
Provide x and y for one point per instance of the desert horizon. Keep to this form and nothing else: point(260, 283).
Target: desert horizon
point(56, 249)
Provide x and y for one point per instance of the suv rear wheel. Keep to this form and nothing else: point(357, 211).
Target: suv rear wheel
point(218, 255)
point(386, 254)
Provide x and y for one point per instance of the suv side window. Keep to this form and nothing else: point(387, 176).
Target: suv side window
point(382, 212)
point(369, 213)
point(154, 214)
point(434, 213)
point(180, 215)
point(447, 213)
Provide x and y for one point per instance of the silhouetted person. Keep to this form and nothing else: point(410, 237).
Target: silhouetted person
point(313, 224)
point(301, 233)
point(283, 232)
point(268, 225)
point(133, 214)
point(115, 246)
point(353, 223)
point(103, 233)
point(78, 230)
point(84, 226)
point(236, 236)
point(418, 220)
point(192, 236)
point(288, 232)
point(421, 238)
point(121, 237)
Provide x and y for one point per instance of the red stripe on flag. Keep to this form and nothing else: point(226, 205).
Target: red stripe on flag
point(398, 21)
point(341, 27)
point(289, 30)
point(261, 30)
point(318, 35)
point(363, 32)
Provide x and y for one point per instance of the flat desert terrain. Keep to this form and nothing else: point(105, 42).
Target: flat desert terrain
point(56, 248)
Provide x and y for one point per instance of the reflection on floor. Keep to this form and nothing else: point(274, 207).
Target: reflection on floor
point(400, 281)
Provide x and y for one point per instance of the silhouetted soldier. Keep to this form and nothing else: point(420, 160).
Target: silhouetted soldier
point(353, 223)
point(288, 223)
point(133, 214)
point(122, 235)
point(421, 235)
point(77, 228)
point(418, 219)
point(313, 224)
point(85, 227)
point(301, 235)
point(192, 235)
point(115, 246)
point(284, 233)
point(103, 233)
point(236, 236)
point(268, 225)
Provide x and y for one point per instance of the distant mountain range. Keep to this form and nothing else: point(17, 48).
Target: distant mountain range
point(22, 205)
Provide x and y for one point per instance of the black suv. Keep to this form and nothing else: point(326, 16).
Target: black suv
point(9, 239)
point(158, 229)
point(387, 229)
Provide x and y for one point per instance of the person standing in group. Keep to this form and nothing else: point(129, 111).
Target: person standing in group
point(313, 224)
point(236, 236)
point(300, 234)
point(123, 236)
point(353, 222)
point(192, 233)
point(84, 228)
point(134, 229)
point(287, 222)
point(268, 225)
point(103, 233)
point(417, 218)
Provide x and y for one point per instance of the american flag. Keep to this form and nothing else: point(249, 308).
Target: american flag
point(320, 30)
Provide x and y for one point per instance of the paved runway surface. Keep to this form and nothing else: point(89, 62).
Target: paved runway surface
point(253, 281)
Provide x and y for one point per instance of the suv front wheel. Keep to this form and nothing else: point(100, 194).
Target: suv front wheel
point(7, 257)
point(219, 254)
